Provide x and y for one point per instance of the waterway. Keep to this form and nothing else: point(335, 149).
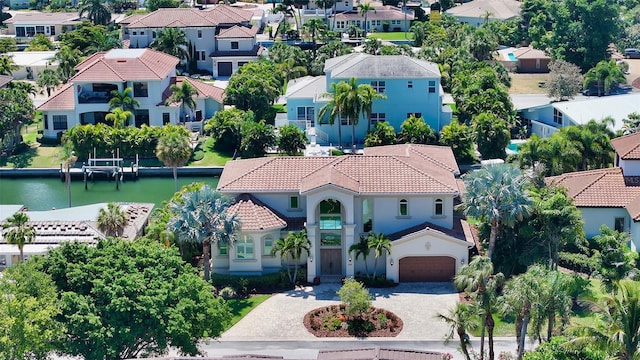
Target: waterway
point(47, 193)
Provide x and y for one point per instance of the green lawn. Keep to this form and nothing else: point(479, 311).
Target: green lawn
point(502, 327)
point(241, 307)
point(211, 156)
point(392, 35)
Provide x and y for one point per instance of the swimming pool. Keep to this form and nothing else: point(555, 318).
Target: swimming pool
point(512, 57)
point(515, 147)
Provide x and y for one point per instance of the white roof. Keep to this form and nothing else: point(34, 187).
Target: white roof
point(32, 58)
point(306, 87)
point(497, 9)
point(124, 53)
point(617, 107)
point(6, 211)
point(29, 249)
point(76, 213)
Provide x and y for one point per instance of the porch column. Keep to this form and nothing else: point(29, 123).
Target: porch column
point(314, 253)
point(349, 235)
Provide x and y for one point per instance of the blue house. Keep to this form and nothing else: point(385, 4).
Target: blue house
point(411, 87)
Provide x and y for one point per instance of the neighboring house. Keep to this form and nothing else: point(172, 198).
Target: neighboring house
point(222, 38)
point(25, 25)
point(412, 86)
point(346, 14)
point(610, 196)
point(404, 191)
point(547, 119)
point(478, 12)
point(31, 63)
point(55, 227)
point(85, 98)
point(525, 59)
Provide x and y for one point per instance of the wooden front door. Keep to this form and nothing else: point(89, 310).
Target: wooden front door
point(331, 261)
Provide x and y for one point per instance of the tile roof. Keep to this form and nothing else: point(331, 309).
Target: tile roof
point(365, 66)
point(63, 99)
point(126, 65)
point(601, 188)
point(56, 232)
point(528, 52)
point(236, 31)
point(362, 174)
point(42, 17)
point(498, 9)
point(439, 155)
point(627, 147)
point(255, 215)
point(205, 90)
point(191, 17)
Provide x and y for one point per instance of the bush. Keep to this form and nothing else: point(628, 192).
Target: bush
point(228, 293)
point(380, 281)
point(335, 152)
point(198, 155)
point(264, 284)
point(577, 262)
point(355, 297)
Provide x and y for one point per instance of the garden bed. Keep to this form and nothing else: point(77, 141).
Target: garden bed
point(331, 321)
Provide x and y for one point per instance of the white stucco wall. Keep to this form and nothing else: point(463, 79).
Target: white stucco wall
point(630, 167)
point(387, 219)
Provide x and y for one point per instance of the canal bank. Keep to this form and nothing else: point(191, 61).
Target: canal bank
point(76, 172)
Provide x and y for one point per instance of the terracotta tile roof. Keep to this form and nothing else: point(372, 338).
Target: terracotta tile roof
point(439, 155)
point(190, 17)
point(366, 174)
point(238, 32)
point(204, 90)
point(131, 18)
point(598, 188)
point(63, 99)
point(255, 215)
point(528, 52)
point(627, 147)
point(126, 65)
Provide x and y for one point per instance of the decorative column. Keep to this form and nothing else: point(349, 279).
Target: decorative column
point(349, 235)
point(314, 252)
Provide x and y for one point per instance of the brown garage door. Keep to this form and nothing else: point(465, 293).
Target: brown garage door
point(427, 268)
point(225, 68)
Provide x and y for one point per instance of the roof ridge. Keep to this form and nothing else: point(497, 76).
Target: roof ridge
point(144, 61)
point(111, 68)
point(596, 180)
point(441, 164)
point(263, 164)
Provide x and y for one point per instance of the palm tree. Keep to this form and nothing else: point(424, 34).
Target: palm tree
point(201, 217)
point(290, 248)
point(361, 248)
point(48, 80)
point(18, 232)
point(460, 320)
point(172, 41)
point(314, 26)
point(96, 10)
point(119, 118)
point(173, 150)
point(7, 66)
point(496, 194)
point(364, 9)
point(618, 332)
point(325, 5)
point(605, 75)
point(67, 59)
point(68, 158)
point(333, 108)
point(112, 219)
point(380, 244)
point(24, 87)
point(124, 100)
point(184, 94)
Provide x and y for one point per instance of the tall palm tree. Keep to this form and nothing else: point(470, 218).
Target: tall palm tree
point(291, 248)
point(333, 108)
point(381, 245)
point(119, 118)
point(68, 158)
point(124, 100)
point(201, 217)
point(172, 41)
point(112, 219)
point(496, 193)
point(48, 80)
point(67, 59)
point(7, 66)
point(554, 299)
point(325, 5)
point(174, 150)
point(97, 11)
point(460, 319)
point(559, 155)
point(18, 232)
point(361, 248)
point(184, 94)
point(364, 9)
point(313, 27)
point(605, 75)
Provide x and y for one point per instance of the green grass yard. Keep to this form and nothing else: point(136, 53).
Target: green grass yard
point(391, 35)
point(241, 307)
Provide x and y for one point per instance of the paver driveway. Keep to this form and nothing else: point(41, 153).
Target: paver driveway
point(280, 317)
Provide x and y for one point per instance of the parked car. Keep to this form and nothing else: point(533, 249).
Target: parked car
point(615, 90)
point(632, 53)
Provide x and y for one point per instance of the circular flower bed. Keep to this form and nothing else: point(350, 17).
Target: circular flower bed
point(331, 321)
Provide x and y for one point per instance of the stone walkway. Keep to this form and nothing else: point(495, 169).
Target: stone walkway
point(280, 317)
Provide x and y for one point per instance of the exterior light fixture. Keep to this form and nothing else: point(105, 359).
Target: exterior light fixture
point(391, 261)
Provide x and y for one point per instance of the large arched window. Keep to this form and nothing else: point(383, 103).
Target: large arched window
point(439, 207)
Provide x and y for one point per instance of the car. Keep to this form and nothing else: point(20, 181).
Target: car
point(616, 89)
point(632, 53)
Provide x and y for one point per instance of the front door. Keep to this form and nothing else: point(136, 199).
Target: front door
point(331, 261)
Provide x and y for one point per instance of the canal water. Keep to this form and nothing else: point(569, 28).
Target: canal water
point(47, 193)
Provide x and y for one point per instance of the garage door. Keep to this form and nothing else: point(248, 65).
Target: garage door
point(224, 68)
point(427, 268)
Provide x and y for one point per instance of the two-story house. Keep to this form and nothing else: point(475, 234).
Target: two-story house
point(403, 191)
point(609, 196)
point(25, 25)
point(85, 98)
point(411, 87)
point(222, 38)
point(346, 14)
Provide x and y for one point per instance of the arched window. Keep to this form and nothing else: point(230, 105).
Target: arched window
point(439, 207)
point(244, 248)
point(403, 207)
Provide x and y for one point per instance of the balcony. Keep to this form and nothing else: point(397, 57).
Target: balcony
point(94, 97)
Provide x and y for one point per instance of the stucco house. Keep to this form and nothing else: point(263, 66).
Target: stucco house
point(25, 25)
point(31, 63)
point(412, 86)
point(223, 38)
point(610, 196)
point(404, 191)
point(345, 14)
point(85, 98)
point(548, 118)
point(478, 12)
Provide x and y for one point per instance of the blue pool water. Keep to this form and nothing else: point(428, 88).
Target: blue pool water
point(514, 147)
point(512, 57)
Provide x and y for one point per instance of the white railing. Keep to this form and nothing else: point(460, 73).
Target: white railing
point(322, 136)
